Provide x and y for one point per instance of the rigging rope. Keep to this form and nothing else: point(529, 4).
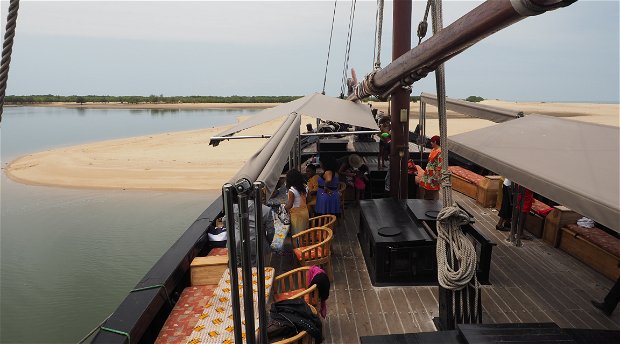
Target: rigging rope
point(378, 33)
point(329, 48)
point(7, 48)
point(423, 26)
point(456, 254)
point(348, 48)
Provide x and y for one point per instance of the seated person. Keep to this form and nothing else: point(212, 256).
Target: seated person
point(312, 181)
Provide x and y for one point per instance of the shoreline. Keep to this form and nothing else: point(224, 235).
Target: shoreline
point(184, 161)
point(152, 106)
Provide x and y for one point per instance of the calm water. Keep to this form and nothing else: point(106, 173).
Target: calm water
point(68, 257)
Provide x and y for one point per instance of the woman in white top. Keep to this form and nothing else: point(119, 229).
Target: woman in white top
point(296, 204)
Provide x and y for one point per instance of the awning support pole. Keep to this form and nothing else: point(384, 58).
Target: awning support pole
point(260, 261)
point(228, 194)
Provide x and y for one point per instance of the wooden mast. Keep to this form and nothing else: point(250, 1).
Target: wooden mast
point(399, 106)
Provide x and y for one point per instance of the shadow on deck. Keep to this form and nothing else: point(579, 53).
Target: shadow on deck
point(535, 283)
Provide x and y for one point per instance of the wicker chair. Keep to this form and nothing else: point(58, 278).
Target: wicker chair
point(293, 284)
point(313, 247)
point(322, 221)
point(302, 337)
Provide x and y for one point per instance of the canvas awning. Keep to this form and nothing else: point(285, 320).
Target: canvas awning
point(491, 113)
point(573, 163)
point(314, 105)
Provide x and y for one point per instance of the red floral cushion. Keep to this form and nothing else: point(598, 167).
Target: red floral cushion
point(598, 237)
point(288, 294)
point(218, 251)
point(185, 314)
point(541, 208)
point(312, 253)
point(466, 174)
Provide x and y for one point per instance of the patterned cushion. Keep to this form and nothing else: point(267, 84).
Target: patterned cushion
point(185, 314)
point(466, 174)
point(599, 238)
point(541, 208)
point(312, 253)
point(288, 294)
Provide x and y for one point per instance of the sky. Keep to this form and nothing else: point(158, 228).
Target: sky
point(280, 48)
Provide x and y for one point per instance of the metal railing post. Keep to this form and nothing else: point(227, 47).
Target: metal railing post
point(246, 270)
point(228, 194)
point(260, 262)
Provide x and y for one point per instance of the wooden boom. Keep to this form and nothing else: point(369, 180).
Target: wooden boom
point(486, 19)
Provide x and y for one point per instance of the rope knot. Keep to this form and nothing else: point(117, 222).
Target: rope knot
point(453, 214)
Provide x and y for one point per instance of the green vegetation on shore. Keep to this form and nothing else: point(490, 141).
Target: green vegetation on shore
point(152, 99)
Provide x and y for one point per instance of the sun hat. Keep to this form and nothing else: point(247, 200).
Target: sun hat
point(355, 161)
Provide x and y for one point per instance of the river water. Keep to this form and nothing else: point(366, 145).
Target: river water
point(68, 257)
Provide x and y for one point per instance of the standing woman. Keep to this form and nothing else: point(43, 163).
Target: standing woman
point(296, 204)
point(327, 197)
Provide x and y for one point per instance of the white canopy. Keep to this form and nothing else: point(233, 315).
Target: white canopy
point(314, 105)
point(573, 163)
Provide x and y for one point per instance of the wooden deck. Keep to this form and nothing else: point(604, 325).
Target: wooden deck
point(532, 283)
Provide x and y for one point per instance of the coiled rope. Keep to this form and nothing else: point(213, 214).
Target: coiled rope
point(348, 48)
point(378, 34)
point(7, 48)
point(456, 254)
point(329, 47)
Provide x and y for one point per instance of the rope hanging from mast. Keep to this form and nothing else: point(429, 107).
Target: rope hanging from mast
point(456, 254)
point(348, 49)
point(378, 34)
point(423, 26)
point(329, 47)
point(7, 48)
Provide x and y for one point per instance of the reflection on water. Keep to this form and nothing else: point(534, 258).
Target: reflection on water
point(68, 257)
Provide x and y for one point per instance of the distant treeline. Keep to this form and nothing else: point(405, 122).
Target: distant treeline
point(36, 99)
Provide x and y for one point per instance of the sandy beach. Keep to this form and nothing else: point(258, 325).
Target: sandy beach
point(185, 161)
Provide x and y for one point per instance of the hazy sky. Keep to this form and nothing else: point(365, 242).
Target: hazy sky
point(280, 48)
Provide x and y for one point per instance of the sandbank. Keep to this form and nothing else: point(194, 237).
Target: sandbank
point(185, 161)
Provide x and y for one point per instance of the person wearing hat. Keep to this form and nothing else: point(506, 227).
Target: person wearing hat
point(348, 168)
point(429, 185)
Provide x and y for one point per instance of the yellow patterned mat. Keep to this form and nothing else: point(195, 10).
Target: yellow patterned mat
point(216, 321)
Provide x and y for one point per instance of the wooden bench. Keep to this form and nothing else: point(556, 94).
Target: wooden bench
point(483, 189)
point(191, 305)
point(594, 247)
point(559, 217)
point(535, 220)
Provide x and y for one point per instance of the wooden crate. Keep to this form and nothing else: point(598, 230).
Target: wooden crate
point(487, 190)
point(463, 186)
point(590, 254)
point(556, 219)
point(208, 270)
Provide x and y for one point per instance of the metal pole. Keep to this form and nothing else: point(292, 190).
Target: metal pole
point(514, 189)
point(248, 295)
point(228, 194)
point(521, 218)
point(260, 262)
